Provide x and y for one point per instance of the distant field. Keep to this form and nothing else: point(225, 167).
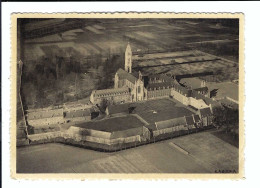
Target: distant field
point(181, 62)
point(163, 42)
point(207, 153)
point(143, 35)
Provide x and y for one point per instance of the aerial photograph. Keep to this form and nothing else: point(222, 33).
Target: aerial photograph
point(127, 95)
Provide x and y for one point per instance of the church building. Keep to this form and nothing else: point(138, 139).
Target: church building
point(132, 86)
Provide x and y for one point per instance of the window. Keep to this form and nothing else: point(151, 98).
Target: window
point(139, 89)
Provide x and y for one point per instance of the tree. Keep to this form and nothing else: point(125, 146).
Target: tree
point(103, 105)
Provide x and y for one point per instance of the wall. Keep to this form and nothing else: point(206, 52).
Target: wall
point(125, 97)
point(169, 130)
point(199, 104)
point(158, 93)
point(179, 97)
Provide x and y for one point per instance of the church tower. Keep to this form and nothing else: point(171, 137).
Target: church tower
point(128, 59)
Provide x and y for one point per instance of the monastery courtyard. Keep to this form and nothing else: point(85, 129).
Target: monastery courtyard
point(202, 153)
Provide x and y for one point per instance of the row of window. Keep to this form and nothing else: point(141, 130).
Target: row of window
point(111, 94)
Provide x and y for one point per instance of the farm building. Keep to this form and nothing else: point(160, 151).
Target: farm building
point(195, 84)
point(130, 86)
point(117, 95)
point(45, 117)
point(117, 130)
point(206, 116)
point(79, 115)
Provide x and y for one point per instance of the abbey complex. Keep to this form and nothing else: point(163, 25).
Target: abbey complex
point(131, 86)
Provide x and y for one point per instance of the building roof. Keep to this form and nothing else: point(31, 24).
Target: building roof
point(194, 83)
point(79, 113)
point(207, 100)
point(45, 114)
point(163, 77)
point(112, 124)
point(161, 85)
point(122, 74)
point(123, 90)
point(119, 108)
point(205, 112)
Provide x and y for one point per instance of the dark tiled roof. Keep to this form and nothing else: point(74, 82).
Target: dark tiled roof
point(122, 74)
point(112, 124)
point(119, 108)
point(161, 85)
point(163, 77)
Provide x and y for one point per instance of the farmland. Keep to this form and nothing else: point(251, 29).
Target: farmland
point(89, 51)
point(160, 157)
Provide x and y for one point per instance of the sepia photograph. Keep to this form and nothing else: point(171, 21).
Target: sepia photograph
point(127, 94)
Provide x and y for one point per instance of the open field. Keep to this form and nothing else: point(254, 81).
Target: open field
point(144, 35)
point(181, 63)
point(92, 41)
point(207, 153)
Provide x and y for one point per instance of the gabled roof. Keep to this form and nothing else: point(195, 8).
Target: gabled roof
point(161, 85)
point(122, 74)
point(122, 90)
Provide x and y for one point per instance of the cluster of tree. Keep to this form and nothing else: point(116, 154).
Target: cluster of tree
point(51, 73)
point(226, 118)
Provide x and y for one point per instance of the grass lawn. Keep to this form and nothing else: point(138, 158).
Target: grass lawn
point(207, 153)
